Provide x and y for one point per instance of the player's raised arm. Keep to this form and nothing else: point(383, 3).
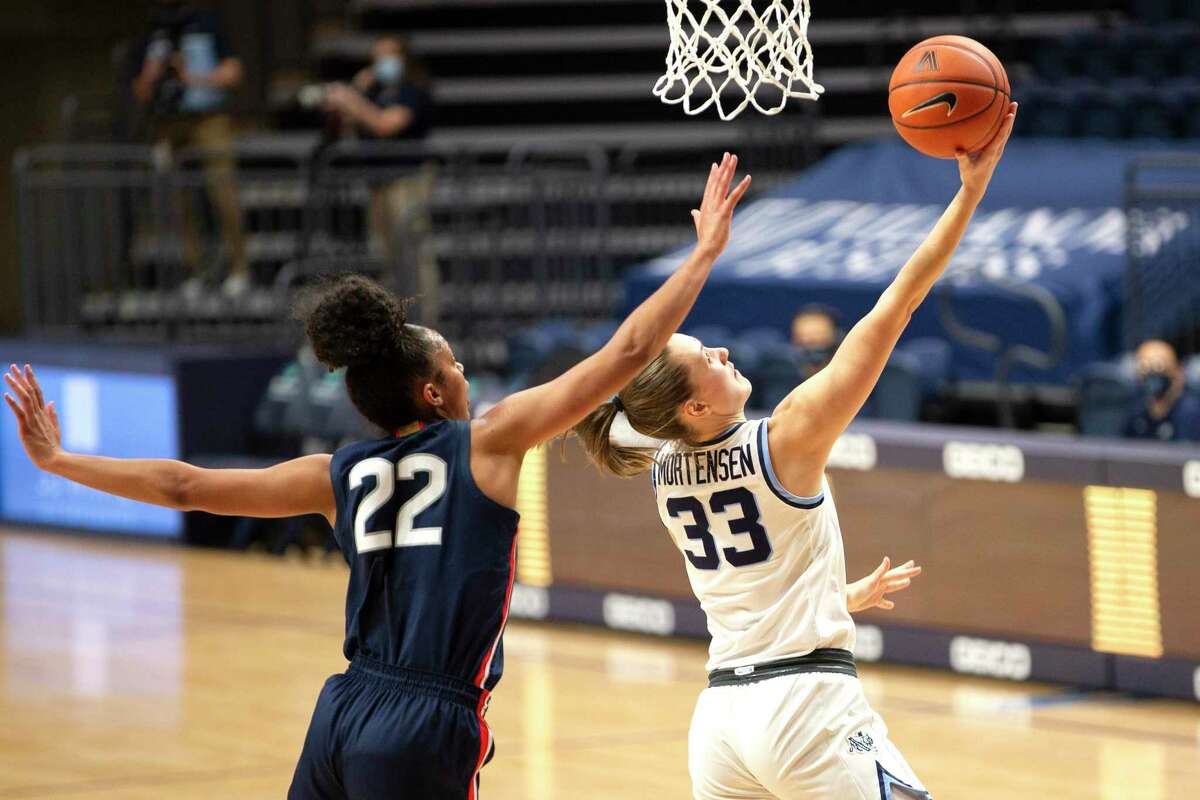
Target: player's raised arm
point(300, 486)
point(809, 420)
point(532, 416)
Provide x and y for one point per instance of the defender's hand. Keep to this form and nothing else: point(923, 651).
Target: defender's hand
point(869, 592)
point(715, 214)
point(37, 420)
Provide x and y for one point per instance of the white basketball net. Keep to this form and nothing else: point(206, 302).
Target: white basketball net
point(715, 52)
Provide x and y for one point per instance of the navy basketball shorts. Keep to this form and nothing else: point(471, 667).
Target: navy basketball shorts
point(380, 731)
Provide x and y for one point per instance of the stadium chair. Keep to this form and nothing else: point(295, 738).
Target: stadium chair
point(775, 376)
point(1127, 363)
point(758, 354)
point(1191, 369)
point(711, 335)
point(338, 421)
point(1187, 10)
point(487, 389)
point(1101, 58)
point(1146, 52)
point(286, 411)
point(596, 335)
point(529, 348)
point(1184, 96)
point(764, 336)
point(1099, 111)
point(1107, 394)
point(1030, 94)
point(303, 410)
point(900, 391)
point(1148, 111)
point(1153, 12)
point(1051, 113)
point(748, 357)
point(1183, 49)
point(1177, 105)
point(1058, 62)
point(934, 359)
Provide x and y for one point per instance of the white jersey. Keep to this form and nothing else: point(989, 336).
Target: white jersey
point(766, 565)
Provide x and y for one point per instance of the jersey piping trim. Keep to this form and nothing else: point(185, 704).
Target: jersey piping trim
point(730, 431)
point(887, 781)
point(764, 456)
point(654, 468)
point(485, 746)
point(486, 666)
point(408, 430)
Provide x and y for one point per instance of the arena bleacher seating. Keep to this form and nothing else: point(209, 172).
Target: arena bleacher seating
point(557, 171)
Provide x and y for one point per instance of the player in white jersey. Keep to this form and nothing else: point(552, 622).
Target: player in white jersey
point(749, 507)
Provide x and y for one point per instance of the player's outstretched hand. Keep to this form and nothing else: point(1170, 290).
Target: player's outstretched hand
point(976, 169)
point(37, 421)
point(714, 216)
point(869, 592)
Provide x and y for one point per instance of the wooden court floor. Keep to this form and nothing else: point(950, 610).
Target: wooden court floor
point(132, 670)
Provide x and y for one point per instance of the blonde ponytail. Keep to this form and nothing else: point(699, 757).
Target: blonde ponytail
point(651, 403)
point(594, 434)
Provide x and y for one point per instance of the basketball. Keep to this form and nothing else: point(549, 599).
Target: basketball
point(948, 94)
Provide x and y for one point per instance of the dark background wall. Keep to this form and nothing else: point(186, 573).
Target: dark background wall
point(51, 49)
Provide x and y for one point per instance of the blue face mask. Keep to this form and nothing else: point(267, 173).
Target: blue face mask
point(813, 358)
point(1155, 385)
point(389, 69)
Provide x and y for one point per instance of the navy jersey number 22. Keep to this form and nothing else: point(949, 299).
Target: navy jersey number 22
point(404, 533)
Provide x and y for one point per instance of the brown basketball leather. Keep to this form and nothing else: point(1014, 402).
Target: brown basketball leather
point(948, 94)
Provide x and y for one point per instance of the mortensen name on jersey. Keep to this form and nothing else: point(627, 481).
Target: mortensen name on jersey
point(700, 467)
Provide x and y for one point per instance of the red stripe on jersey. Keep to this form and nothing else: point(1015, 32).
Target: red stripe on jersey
point(485, 738)
point(486, 666)
point(485, 733)
point(408, 430)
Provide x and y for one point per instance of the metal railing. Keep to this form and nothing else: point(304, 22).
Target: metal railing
point(120, 239)
point(1009, 353)
point(1161, 290)
point(138, 242)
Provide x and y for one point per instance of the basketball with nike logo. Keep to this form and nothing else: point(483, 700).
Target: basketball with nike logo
point(947, 95)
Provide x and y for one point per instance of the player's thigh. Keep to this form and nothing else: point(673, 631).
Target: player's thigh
point(869, 758)
point(871, 767)
point(818, 737)
point(316, 775)
point(410, 746)
point(716, 768)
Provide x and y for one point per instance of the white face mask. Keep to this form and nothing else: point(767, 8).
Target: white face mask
point(389, 69)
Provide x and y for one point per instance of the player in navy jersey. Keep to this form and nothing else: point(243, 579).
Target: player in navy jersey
point(424, 517)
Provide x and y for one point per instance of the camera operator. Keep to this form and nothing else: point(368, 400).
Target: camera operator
point(388, 101)
point(185, 73)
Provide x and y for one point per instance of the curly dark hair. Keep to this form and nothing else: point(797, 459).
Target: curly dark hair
point(353, 322)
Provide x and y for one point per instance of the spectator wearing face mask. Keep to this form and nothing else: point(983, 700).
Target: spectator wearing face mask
point(389, 101)
point(386, 100)
point(815, 337)
point(1166, 411)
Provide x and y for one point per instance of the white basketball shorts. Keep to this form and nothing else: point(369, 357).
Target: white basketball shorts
point(808, 735)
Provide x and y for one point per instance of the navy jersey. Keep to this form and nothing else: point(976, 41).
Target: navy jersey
point(432, 559)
